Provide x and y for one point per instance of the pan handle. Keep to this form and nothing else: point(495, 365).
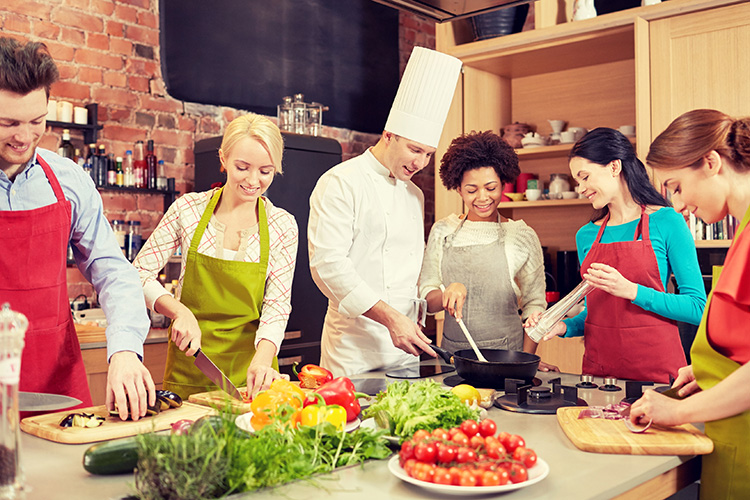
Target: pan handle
point(448, 357)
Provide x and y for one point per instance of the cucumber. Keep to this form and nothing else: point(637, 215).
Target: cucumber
point(111, 457)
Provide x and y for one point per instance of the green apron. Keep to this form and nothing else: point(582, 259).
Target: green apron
point(726, 471)
point(226, 298)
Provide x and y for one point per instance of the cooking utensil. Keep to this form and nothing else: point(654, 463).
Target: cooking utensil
point(556, 313)
point(467, 334)
point(500, 364)
point(216, 376)
point(672, 392)
point(40, 401)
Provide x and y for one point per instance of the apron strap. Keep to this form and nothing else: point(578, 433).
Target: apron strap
point(601, 230)
point(642, 228)
point(204, 220)
point(51, 178)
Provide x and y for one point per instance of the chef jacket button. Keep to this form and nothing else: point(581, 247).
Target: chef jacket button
point(13, 192)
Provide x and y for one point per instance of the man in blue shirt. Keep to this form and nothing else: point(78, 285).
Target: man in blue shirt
point(46, 203)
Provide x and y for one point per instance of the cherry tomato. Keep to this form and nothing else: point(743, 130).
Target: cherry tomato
point(476, 441)
point(442, 476)
point(426, 452)
point(420, 435)
point(465, 455)
point(469, 427)
point(460, 438)
point(441, 434)
point(407, 451)
point(490, 478)
point(487, 427)
point(525, 455)
point(504, 477)
point(467, 478)
point(447, 454)
point(494, 449)
point(455, 473)
point(518, 473)
point(408, 466)
point(514, 441)
point(424, 472)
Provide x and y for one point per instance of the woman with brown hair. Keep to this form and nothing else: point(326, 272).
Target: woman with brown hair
point(703, 159)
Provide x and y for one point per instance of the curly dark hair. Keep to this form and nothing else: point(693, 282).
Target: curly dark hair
point(477, 150)
point(26, 67)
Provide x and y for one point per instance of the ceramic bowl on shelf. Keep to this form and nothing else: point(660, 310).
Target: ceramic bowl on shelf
point(515, 196)
point(533, 194)
point(569, 195)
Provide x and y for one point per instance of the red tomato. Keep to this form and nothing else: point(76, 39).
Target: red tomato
point(407, 450)
point(441, 434)
point(503, 438)
point(426, 452)
point(460, 438)
point(469, 427)
point(453, 431)
point(467, 478)
point(420, 435)
point(476, 441)
point(504, 477)
point(514, 441)
point(447, 454)
point(487, 427)
point(442, 476)
point(494, 449)
point(424, 472)
point(490, 478)
point(465, 455)
point(455, 473)
point(408, 466)
point(525, 455)
point(518, 473)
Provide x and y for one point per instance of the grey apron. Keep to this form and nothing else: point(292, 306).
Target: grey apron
point(491, 308)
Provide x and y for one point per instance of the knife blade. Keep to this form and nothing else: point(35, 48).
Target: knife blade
point(216, 376)
point(40, 401)
point(672, 393)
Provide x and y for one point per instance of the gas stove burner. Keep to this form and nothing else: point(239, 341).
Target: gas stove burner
point(523, 398)
point(455, 380)
point(610, 385)
point(587, 382)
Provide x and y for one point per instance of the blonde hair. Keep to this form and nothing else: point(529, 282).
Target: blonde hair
point(693, 135)
point(256, 127)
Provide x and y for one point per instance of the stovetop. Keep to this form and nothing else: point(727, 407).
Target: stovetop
point(455, 380)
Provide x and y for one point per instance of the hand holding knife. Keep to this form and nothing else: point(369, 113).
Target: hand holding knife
point(214, 374)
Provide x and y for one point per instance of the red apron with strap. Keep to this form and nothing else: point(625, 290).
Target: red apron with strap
point(621, 339)
point(33, 250)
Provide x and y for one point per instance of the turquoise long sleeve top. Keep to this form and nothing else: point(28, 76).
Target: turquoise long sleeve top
point(675, 254)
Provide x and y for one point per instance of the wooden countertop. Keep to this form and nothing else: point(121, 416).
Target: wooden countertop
point(93, 336)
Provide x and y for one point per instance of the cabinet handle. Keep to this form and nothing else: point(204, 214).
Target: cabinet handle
point(290, 360)
point(295, 334)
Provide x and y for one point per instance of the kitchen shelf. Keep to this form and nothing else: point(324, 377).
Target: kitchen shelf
point(554, 151)
point(543, 203)
point(90, 130)
point(169, 196)
point(712, 243)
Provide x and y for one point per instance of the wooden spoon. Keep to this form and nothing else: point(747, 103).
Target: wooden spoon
point(468, 336)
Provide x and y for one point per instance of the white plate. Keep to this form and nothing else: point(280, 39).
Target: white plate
point(370, 423)
point(243, 422)
point(536, 474)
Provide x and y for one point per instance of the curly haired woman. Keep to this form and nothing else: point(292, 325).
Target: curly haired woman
point(489, 267)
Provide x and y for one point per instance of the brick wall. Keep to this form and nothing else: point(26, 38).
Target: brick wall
point(108, 52)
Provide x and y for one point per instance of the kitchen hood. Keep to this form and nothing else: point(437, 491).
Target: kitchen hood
point(450, 10)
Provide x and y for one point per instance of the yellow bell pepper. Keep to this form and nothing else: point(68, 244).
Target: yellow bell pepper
point(313, 415)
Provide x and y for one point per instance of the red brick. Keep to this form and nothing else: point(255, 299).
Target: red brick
point(44, 29)
point(60, 52)
point(78, 4)
point(39, 10)
point(115, 96)
point(98, 59)
point(185, 123)
point(148, 36)
point(172, 138)
point(121, 46)
point(67, 71)
point(152, 203)
point(90, 75)
point(144, 4)
point(209, 126)
point(123, 133)
point(157, 87)
point(122, 202)
point(17, 23)
point(126, 13)
point(161, 104)
point(97, 41)
point(115, 28)
point(115, 79)
point(138, 83)
point(71, 90)
point(141, 67)
point(148, 19)
point(73, 36)
point(77, 19)
point(119, 115)
point(105, 7)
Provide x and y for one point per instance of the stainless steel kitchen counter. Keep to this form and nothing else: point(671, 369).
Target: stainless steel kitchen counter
point(54, 471)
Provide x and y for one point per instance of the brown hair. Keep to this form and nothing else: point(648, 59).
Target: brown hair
point(25, 68)
point(477, 150)
point(693, 135)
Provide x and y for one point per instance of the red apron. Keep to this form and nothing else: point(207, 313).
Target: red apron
point(620, 338)
point(33, 250)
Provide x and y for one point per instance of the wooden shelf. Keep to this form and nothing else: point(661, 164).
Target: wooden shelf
point(543, 203)
point(712, 243)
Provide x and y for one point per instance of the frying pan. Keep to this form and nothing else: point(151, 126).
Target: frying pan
point(501, 364)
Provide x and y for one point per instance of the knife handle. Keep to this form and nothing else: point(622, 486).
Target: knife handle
point(195, 355)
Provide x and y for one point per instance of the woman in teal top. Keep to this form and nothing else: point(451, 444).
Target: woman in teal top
point(628, 251)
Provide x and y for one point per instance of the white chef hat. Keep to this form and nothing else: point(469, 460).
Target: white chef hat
point(424, 96)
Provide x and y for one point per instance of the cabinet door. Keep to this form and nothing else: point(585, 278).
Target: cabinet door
point(700, 60)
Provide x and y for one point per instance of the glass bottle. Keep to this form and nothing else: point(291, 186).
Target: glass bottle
point(127, 169)
point(133, 240)
point(111, 170)
point(66, 149)
point(119, 174)
point(284, 114)
point(150, 165)
point(118, 226)
point(139, 165)
point(101, 166)
point(13, 327)
point(161, 176)
point(299, 109)
point(88, 166)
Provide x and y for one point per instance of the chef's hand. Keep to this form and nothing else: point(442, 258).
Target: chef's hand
point(405, 334)
point(686, 381)
point(660, 409)
point(532, 320)
point(186, 333)
point(559, 329)
point(260, 374)
point(454, 296)
point(609, 279)
point(128, 380)
point(546, 367)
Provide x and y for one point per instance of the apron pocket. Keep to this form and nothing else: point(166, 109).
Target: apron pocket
point(717, 473)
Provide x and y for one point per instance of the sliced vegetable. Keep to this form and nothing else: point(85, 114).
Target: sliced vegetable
point(150, 411)
point(111, 457)
point(312, 376)
point(81, 420)
point(168, 399)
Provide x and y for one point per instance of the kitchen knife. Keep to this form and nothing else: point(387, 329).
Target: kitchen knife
point(40, 401)
point(672, 393)
point(216, 376)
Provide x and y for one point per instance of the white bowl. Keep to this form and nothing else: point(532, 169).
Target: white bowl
point(533, 194)
point(569, 195)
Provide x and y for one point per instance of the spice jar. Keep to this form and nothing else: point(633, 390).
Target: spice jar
point(558, 184)
point(133, 240)
point(13, 327)
point(118, 226)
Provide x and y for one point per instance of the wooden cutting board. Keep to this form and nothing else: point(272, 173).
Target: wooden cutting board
point(218, 398)
point(48, 426)
point(611, 436)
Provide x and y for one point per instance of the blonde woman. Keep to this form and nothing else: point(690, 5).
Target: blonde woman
point(238, 256)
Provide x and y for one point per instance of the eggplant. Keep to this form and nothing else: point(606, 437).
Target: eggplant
point(150, 411)
point(168, 399)
point(81, 420)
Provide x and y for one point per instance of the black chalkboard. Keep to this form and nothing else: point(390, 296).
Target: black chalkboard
point(248, 54)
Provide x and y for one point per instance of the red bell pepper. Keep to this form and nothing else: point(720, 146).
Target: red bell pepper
point(339, 391)
point(312, 376)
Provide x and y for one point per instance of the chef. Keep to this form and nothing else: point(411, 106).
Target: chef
point(47, 203)
point(366, 235)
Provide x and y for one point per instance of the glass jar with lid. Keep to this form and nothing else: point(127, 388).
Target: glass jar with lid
point(118, 226)
point(558, 184)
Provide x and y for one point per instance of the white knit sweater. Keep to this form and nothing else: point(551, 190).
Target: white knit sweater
point(522, 249)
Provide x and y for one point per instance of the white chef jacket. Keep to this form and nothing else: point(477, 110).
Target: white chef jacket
point(366, 243)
